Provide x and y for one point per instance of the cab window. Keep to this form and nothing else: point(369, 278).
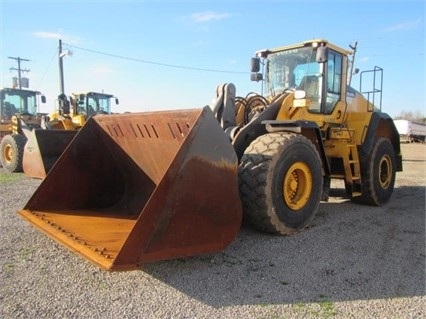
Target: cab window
point(334, 80)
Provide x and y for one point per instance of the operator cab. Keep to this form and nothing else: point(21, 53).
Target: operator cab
point(18, 101)
point(93, 103)
point(315, 69)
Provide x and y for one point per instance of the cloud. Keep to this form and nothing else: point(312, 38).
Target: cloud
point(57, 35)
point(207, 16)
point(101, 70)
point(47, 35)
point(404, 26)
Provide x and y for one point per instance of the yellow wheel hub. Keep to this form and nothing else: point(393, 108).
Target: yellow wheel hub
point(8, 153)
point(385, 171)
point(297, 186)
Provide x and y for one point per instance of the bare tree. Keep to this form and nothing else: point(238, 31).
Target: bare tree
point(416, 116)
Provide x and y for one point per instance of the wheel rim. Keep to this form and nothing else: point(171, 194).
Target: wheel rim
point(297, 186)
point(385, 171)
point(8, 153)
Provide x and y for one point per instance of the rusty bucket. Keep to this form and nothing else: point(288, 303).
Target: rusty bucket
point(42, 149)
point(142, 187)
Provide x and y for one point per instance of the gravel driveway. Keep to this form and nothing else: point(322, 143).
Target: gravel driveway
point(353, 262)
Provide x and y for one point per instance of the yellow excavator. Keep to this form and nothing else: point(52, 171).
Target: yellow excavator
point(170, 184)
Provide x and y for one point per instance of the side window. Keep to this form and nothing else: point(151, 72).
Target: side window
point(334, 80)
point(308, 79)
point(91, 106)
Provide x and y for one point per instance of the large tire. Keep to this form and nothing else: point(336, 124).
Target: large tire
point(12, 151)
point(281, 181)
point(378, 174)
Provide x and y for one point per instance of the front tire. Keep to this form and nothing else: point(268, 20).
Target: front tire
point(11, 152)
point(378, 174)
point(281, 182)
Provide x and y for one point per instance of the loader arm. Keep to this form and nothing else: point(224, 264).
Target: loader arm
point(255, 128)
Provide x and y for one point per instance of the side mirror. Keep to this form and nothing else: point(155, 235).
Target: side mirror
point(322, 53)
point(43, 99)
point(116, 101)
point(255, 65)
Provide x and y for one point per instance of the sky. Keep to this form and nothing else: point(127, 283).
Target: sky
point(171, 54)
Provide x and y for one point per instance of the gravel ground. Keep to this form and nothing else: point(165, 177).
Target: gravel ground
point(353, 262)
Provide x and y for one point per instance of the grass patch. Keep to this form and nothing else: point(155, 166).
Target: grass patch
point(327, 309)
point(25, 252)
point(9, 267)
point(103, 286)
point(10, 177)
point(321, 308)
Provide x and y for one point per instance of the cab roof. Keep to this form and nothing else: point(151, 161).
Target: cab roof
point(313, 42)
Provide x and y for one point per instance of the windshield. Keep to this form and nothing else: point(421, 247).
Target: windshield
point(18, 101)
point(287, 69)
point(95, 103)
point(98, 103)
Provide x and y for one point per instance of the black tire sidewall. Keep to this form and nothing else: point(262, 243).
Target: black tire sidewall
point(382, 148)
point(17, 142)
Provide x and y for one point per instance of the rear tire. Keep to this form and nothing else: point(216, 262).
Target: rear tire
point(12, 151)
point(281, 181)
point(378, 174)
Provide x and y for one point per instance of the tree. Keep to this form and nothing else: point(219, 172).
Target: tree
point(416, 116)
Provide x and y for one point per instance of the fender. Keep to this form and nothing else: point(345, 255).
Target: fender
point(264, 124)
point(381, 125)
point(254, 128)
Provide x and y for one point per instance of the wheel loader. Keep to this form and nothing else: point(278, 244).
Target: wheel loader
point(73, 113)
point(44, 146)
point(171, 184)
point(18, 117)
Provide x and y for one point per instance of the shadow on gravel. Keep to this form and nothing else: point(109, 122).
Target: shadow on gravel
point(350, 252)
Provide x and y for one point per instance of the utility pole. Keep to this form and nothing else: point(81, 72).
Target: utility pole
point(18, 59)
point(61, 68)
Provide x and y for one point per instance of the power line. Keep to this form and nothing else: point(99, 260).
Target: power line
point(55, 54)
point(19, 69)
point(155, 63)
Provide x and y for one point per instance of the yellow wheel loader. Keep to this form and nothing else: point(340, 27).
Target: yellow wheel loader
point(18, 117)
point(72, 114)
point(44, 146)
point(171, 184)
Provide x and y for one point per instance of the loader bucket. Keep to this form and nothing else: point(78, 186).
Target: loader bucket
point(42, 150)
point(142, 187)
